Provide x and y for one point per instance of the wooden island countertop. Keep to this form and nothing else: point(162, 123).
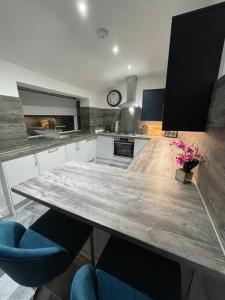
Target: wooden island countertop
point(143, 204)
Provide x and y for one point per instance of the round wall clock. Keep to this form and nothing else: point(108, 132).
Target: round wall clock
point(114, 98)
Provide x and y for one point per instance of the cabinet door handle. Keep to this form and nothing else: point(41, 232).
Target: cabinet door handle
point(53, 150)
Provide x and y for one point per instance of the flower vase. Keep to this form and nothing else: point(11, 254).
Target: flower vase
point(184, 177)
point(185, 174)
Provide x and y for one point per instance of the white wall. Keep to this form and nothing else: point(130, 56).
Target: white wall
point(143, 83)
point(11, 74)
point(149, 82)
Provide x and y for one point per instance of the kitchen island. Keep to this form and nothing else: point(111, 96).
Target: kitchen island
point(144, 205)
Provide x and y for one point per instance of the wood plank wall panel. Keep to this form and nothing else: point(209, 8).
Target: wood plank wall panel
point(12, 127)
point(210, 175)
point(154, 128)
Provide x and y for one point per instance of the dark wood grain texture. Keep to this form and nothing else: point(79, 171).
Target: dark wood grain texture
point(210, 175)
point(146, 205)
point(93, 118)
point(12, 127)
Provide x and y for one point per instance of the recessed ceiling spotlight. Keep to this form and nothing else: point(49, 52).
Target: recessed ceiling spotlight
point(82, 7)
point(129, 67)
point(115, 50)
point(102, 33)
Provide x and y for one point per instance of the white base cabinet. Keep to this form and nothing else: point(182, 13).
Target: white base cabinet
point(17, 171)
point(51, 158)
point(72, 152)
point(4, 210)
point(86, 150)
point(138, 145)
point(105, 147)
point(91, 150)
point(81, 150)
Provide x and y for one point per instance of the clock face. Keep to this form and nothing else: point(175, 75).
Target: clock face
point(114, 98)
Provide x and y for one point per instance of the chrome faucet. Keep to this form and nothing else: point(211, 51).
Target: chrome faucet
point(59, 126)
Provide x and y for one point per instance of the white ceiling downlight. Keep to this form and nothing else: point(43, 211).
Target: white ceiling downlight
point(115, 49)
point(129, 67)
point(82, 8)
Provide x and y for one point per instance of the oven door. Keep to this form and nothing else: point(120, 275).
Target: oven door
point(125, 149)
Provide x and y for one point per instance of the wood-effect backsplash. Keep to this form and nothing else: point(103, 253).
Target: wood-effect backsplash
point(12, 127)
point(93, 118)
point(210, 176)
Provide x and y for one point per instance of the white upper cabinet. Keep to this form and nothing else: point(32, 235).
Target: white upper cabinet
point(17, 171)
point(72, 151)
point(51, 158)
point(105, 147)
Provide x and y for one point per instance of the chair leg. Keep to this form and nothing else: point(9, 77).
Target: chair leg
point(92, 248)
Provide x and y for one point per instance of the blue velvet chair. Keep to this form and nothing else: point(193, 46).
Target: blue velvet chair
point(91, 284)
point(34, 256)
point(128, 272)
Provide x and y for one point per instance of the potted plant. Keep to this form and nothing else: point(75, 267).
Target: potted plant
point(188, 157)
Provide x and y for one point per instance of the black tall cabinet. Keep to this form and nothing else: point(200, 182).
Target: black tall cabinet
point(196, 46)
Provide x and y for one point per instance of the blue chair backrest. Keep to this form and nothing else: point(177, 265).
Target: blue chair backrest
point(91, 284)
point(21, 260)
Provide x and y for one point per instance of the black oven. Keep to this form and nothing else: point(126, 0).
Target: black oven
point(124, 147)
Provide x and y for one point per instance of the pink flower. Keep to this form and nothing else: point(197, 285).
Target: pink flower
point(180, 159)
point(190, 150)
point(179, 144)
point(187, 153)
point(189, 156)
